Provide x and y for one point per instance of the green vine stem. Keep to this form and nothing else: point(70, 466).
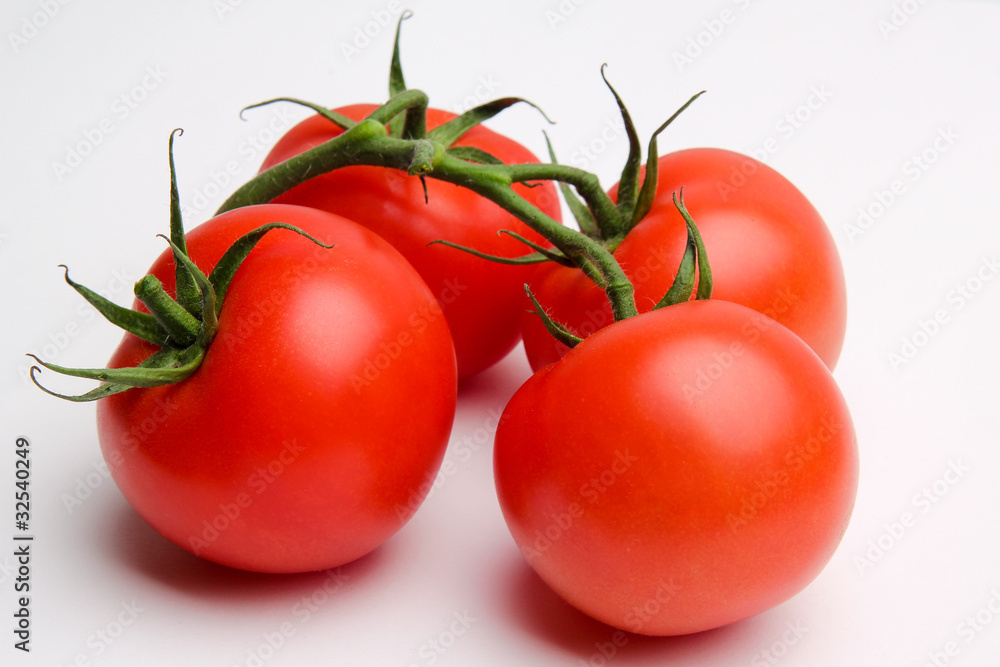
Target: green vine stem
point(395, 136)
point(182, 327)
point(369, 143)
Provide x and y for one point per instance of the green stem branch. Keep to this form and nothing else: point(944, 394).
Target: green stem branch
point(369, 143)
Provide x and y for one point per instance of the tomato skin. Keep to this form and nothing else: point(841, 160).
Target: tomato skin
point(679, 470)
point(768, 247)
point(323, 404)
point(481, 300)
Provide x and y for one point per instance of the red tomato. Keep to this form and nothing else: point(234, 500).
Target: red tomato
point(679, 470)
point(322, 407)
point(482, 301)
point(768, 248)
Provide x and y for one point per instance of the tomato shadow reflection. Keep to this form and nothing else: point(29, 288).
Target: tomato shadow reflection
point(134, 545)
point(493, 387)
point(538, 611)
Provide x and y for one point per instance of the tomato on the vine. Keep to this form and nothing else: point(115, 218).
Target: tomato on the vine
point(322, 406)
point(770, 249)
point(481, 300)
point(679, 470)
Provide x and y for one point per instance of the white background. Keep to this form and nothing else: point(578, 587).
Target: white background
point(893, 77)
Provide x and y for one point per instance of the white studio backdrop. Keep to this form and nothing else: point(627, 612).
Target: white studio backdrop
point(883, 113)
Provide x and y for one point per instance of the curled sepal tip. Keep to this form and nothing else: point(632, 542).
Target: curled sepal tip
point(648, 191)
point(224, 271)
point(522, 260)
point(166, 366)
point(449, 132)
point(397, 83)
point(187, 292)
point(695, 254)
point(558, 331)
point(340, 120)
point(143, 325)
point(628, 183)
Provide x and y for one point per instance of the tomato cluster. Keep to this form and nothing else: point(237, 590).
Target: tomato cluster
point(278, 404)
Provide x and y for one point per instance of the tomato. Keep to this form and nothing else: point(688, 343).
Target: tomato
point(679, 470)
point(322, 406)
point(768, 247)
point(482, 301)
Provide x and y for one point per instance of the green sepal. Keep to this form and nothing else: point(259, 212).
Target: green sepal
point(704, 270)
point(472, 154)
point(181, 326)
point(209, 314)
point(166, 366)
point(583, 216)
point(680, 290)
point(186, 290)
point(523, 260)
point(648, 191)
point(143, 325)
point(224, 271)
point(628, 183)
point(558, 331)
point(450, 132)
point(694, 252)
point(397, 84)
point(340, 120)
point(103, 391)
point(548, 253)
